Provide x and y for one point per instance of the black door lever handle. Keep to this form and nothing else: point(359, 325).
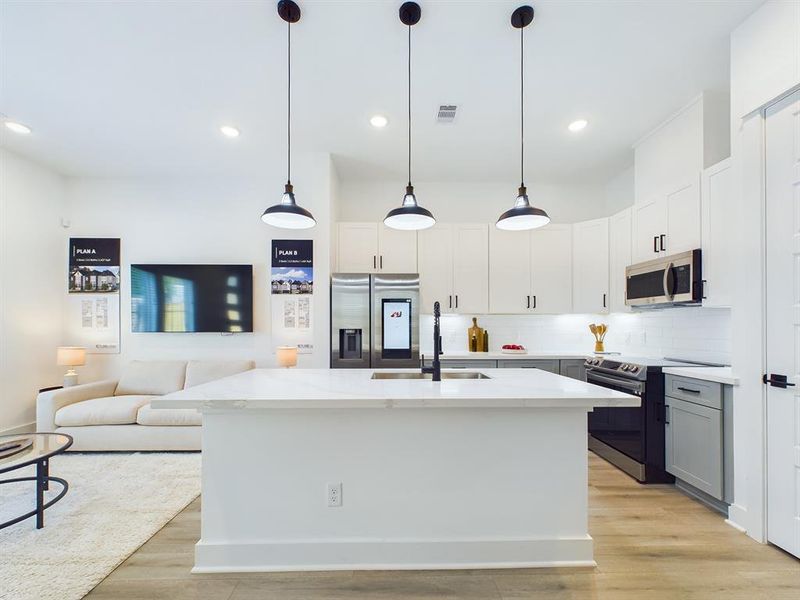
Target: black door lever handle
point(778, 381)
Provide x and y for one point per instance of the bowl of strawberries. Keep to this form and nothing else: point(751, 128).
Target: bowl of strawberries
point(513, 349)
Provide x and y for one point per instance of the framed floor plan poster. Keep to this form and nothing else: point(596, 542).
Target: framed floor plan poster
point(93, 282)
point(292, 289)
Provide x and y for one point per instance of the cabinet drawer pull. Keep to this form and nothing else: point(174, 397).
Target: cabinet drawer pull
point(662, 236)
point(655, 243)
point(691, 391)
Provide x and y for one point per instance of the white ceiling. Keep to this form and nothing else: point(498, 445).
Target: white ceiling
point(140, 88)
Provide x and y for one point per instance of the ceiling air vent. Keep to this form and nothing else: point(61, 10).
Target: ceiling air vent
point(447, 113)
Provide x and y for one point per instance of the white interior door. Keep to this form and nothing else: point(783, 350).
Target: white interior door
point(509, 271)
point(783, 322)
point(397, 250)
point(358, 247)
point(551, 269)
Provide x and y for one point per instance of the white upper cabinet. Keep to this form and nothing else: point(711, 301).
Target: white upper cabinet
point(374, 248)
point(397, 250)
point(683, 218)
point(590, 266)
point(530, 271)
point(620, 256)
point(668, 223)
point(509, 271)
point(454, 268)
point(471, 268)
point(649, 225)
point(358, 247)
point(718, 223)
point(551, 269)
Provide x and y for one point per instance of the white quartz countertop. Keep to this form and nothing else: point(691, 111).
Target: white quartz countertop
point(501, 356)
point(354, 388)
point(717, 374)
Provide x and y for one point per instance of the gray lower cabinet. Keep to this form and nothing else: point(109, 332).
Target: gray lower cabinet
point(519, 363)
point(469, 364)
point(695, 435)
point(573, 368)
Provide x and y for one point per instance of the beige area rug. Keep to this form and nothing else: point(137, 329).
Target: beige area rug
point(115, 503)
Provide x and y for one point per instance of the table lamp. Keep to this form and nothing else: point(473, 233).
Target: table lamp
point(287, 356)
point(71, 356)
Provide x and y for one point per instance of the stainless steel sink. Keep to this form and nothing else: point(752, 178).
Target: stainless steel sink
point(445, 375)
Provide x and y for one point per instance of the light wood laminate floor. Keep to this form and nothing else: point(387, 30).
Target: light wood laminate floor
point(651, 543)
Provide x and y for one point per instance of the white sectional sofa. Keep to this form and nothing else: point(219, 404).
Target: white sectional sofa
point(116, 415)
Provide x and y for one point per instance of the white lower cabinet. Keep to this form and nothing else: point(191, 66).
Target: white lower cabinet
point(530, 271)
point(454, 268)
point(590, 266)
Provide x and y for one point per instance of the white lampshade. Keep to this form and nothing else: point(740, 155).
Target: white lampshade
point(287, 356)
point(71, 356)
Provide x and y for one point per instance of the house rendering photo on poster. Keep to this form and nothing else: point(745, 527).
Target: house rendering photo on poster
point(93, 265)
point(292, 280)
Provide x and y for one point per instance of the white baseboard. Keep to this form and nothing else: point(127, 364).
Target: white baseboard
point(363, 555)
point(26, 428)
point(737, 515)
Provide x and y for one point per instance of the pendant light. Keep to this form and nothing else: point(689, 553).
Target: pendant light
point(410, 216)
point(523, 216)
point(287, 214)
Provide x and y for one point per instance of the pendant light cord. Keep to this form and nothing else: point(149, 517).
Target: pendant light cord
point(521, 107)
point(409, 105)
point(289, 104)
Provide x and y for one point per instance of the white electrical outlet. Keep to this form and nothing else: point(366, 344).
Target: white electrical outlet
point(334, 494)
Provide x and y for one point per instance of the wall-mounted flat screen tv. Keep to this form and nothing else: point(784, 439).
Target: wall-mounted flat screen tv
point(191, 298)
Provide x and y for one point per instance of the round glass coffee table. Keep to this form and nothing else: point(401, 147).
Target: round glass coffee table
point(35, 449)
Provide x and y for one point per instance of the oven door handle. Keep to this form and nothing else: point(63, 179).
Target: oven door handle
point(635, 388)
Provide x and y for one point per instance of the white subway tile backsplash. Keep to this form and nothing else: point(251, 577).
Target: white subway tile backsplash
point(692, 333)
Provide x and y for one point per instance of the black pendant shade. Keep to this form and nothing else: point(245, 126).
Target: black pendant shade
point(522, 216)
point(410, 216)
point(287, 214)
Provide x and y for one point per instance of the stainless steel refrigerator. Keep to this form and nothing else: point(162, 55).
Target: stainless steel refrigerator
point(374, 320)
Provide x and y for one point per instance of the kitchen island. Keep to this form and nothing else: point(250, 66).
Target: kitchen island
point(317, 469)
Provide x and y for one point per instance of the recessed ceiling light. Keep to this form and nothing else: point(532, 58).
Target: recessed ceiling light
point(229, 131)
point(379, 121)
point(18, 127)
point(578, 125)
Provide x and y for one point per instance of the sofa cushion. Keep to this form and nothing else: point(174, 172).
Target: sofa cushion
point(111, 410)
point(203, 371)
point(152, 377)
point(168, 416)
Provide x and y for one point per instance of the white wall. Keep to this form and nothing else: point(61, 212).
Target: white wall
point(205, 221)
point(470, 202)
point(765, 63)
point(33, 276)
point(675, 152)
point(620, 191)
point(695, 333)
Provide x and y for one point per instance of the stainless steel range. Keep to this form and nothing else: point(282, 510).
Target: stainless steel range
point(632, 438)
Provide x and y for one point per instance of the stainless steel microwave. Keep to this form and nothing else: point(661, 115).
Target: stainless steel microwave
point(675, 279)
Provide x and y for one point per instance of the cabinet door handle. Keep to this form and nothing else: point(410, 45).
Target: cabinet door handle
point(663, 237)
point(689, 390)
point(450, 301)
point(534, 301)
point(456, 300)
point(655, 243)
point(666, 414)
point(529, 301)
point(374, 262)
point(703, 284)
point(381, 261)
point(604, 301)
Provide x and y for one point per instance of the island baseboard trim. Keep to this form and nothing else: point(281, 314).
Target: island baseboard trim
point(331, 555)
